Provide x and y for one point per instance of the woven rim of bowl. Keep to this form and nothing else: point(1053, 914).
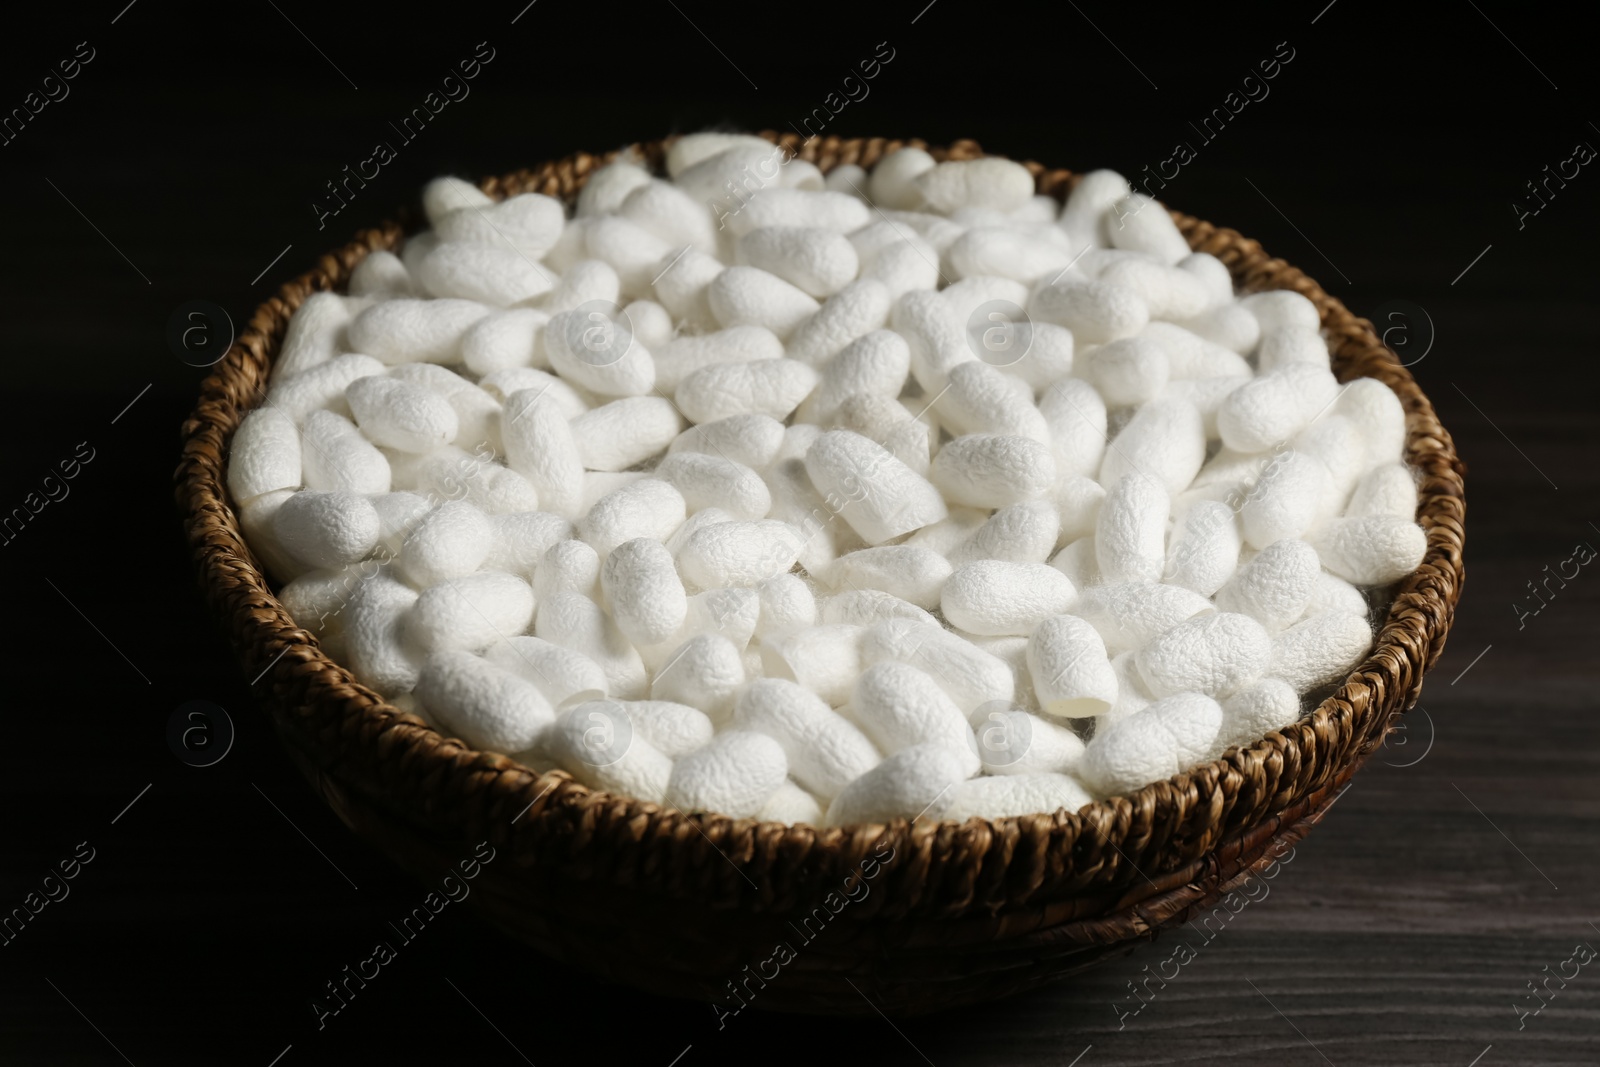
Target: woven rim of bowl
point(1078, 862)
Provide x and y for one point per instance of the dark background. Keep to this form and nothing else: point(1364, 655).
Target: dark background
point(1462, 863)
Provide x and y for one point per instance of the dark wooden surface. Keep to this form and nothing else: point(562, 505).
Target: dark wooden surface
point(1461, 865)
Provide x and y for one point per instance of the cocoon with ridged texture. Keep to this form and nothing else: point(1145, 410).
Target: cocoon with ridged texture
point(1274, 407)
point(1072, 676)
point(674, 730)
point(1127, 615)
point(443, 196)
point(1156, 742)
point(487, 706)
point(255, 522)
point(906, 265)
point(1335, 442)
point(682, 285)
point(996, 251)
point(983, 399)
point(574, 621)
point(693, 148)
point(670, 214)
point(641, 584)
point(1332, 593)
point(1141, 224)
point(704, 673)
point(711, 481)
point(646, 508)
point(1128, 371)
point(1212, 273)
point(967, 673)
point(264, 455)
point(683, 356)
point(529, 223)
point(899, 706)
point(1390, 489)
point(1130, 533)
point(787, 605)
point(937, 338)
point(540, 447)
point(993, 597)
point(1083, 216)
point(818, 262)
point(411, 331)
point(1017, 533)
point(326, 529)
point(502, 384)
point(1282, 345)
point(609, 186)
point(1014, 795)
point(1281, 307)
point(1228, 325)
point(1274, 587)
point(751, 296)
point(864, 607)
point(1204, 550)
point(1320, 650)
point(1216, 654)
point(625, 432)
point(1013, 742)
point(1379, 415)
point(1076, 415)
point(632, 251)
point(374, 635)
point(772, 387)
point(598, 353)
point(878, 495)
point(912, 573)
point(753, 440)
point(892, 183)
point(738, 553)
point(320, 387)
point(733, 775)
point(991, 182)
point(877, 362)
point(559, 673)
point(1293, 491)
point(792, 805)
point(1372, 549)
point(913, 783)
point(992, 470)
point(567, 567)
point(485, 274)
point(451, 541)
point(334, 456)
point(316, 328)
point(854, 311)
point(1164, 440)
point(1191, 356)
point(595, 743)
point(1132, 695)
point(1094, 311)
point(503, 340)
point(469, 613)
point(824, 750)
point(824, 659)
point(749, 166)
point(1255, 711)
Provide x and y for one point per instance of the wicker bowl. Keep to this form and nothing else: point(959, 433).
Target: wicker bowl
point(900, 918)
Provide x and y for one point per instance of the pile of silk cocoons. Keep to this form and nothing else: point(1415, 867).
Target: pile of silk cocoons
point(826, 499)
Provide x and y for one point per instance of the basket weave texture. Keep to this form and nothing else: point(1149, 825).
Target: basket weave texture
point(954, 913)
